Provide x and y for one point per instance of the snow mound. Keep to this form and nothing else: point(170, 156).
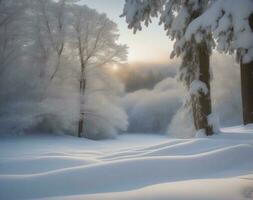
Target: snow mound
point(240, 188)
point(62, 167)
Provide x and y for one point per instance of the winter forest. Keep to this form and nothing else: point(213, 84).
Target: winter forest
point(126, 99)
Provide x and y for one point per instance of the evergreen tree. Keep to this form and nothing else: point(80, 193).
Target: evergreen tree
point(231, 24)
point(194, 71)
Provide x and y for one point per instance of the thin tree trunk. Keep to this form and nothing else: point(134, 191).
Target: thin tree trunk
point(201, 104)
point(56, 67)
point(247, 86)
point(82, 93)
point(81, 119)
point(194, 104)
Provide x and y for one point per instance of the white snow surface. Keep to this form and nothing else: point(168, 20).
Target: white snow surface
point(131, 167)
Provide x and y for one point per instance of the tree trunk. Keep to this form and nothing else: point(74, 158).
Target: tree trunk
point(56, 67)
point(247, 86)
point(82, 93)
point(201, 104)
point(82, 85)
point(81, 119)
point(247, 92)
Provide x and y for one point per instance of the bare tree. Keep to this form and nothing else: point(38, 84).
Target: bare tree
point(10, 12)
point(96, 45)
point(45, 37)
point(52, 18)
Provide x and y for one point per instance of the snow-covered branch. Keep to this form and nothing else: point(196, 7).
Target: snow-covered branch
point(228, 21)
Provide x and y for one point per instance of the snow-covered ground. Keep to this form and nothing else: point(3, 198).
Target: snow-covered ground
point(131, 167)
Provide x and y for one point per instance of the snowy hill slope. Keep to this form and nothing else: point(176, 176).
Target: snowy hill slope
point(130, 167)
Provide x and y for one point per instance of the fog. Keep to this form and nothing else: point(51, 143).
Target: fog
point(161, 109)
point(44, 56)
point(49, 48)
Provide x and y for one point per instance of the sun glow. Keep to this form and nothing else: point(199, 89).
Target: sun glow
point(115, 67)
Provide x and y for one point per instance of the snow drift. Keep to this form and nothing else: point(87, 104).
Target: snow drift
point(121, 168)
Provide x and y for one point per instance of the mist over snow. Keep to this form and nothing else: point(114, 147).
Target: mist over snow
point(161, 109)
point(149, 98)
point(226, 90)
point(139, 76)
point(59, 111)
point(156, 109)
point(44, 58)
point(150, 111)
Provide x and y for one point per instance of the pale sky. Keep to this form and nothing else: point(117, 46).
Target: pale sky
point(151, 45)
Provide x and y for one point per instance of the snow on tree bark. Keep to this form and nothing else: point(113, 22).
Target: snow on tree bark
point(204, 96)
point(230, 23)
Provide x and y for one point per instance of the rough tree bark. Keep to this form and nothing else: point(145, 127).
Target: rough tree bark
point(82, 91)
point(202, 105)
point(82, 88)
point(247, 86)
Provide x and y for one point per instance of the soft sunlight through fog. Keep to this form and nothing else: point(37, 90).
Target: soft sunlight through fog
point(151, 45)
point(91, 111)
